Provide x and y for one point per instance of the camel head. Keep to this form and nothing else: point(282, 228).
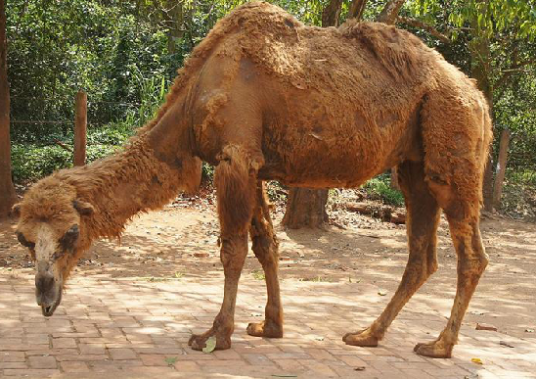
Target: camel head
point(53, 226)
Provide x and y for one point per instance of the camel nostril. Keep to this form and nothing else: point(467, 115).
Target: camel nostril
point(48, 311)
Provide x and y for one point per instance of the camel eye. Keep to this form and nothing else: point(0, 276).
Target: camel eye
point(69, 238)
point(25, 242)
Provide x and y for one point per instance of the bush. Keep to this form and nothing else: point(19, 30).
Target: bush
point(31, 161)
point(380, 188)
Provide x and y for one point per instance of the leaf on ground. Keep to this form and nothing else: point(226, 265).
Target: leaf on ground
point(210, 345)
point(478, 361)
point(171, 361)
point(284, 376)
point(382, 293)
point(359, 368)
point(529, 330)
point(503, 343)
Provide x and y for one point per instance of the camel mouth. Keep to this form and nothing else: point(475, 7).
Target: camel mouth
point(49, 307)
point(48, 311)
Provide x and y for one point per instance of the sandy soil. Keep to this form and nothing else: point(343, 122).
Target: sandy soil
point(180, 241)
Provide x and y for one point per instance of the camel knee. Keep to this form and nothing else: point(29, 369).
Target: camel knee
point(265, 249)
point(233, 253)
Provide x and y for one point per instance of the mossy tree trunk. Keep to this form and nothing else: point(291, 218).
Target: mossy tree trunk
point(7, 191)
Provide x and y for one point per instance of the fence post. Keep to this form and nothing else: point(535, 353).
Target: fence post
point(80, 129)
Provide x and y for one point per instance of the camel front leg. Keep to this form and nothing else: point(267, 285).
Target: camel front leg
point(265, 247)
point(235, 181)
point(233, 254)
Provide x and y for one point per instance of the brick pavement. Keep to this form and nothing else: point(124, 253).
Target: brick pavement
point(128, 328)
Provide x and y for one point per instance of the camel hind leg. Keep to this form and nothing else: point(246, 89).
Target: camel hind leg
point(265, 247)
point(422, 221)
point(463, 215)
point(456, 137)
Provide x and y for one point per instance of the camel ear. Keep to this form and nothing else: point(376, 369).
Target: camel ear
point(85, 209)
point(15, 210)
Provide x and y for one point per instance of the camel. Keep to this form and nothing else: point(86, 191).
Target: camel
point(264, 97)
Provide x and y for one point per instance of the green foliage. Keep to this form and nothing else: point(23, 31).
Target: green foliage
point(31, 161)
point(124, 55)
point(380, 188)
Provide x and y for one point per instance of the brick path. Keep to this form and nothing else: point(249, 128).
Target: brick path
point(125, 328)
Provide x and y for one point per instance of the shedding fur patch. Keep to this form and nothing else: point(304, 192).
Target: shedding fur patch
point(397, 50)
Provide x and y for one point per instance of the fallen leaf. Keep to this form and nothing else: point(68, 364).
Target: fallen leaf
point(503, 343)
point(382, 293)
point(478, 361)
point(284, 376)
point(529, 330)
point(171, 361)
point(359, 368)
point(210, 345)
point(319, 338)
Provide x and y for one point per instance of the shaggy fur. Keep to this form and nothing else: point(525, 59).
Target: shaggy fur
point(265, 97)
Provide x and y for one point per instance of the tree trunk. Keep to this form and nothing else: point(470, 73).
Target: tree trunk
point(330, 16)
point(501, 168)
point(357, 8)
point(390, 12)
point(174, 18)
point(388, 15)
point(480, 70)
point(306, 208)
point(394, 178)
point(7, 191)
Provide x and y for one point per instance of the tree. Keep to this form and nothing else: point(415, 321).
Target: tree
point(498, 36)
point(307, 207)
point(7, 191)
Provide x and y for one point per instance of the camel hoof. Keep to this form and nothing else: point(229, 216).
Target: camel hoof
point(265, 329)
point(436, 349)
point(363, 338)
point(198, 342)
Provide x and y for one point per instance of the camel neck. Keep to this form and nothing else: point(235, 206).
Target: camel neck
point(152, 169)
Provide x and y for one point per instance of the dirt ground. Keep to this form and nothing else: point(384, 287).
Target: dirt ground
point(156, 247)
point(179, 243)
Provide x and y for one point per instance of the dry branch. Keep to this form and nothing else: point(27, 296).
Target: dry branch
point(428, 28)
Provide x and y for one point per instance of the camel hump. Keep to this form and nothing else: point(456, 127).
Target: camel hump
point(259, 19)
point(401, 53)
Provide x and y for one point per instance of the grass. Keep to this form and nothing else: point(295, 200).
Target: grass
point(316, 279)
point(258, 275)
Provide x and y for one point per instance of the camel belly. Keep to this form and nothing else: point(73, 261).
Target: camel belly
point(336, 150)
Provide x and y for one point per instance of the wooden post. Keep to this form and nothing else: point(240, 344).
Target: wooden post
point(501, 168)
point(80, 129)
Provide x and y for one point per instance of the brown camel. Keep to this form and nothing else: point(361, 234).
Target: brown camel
point(264, 97)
